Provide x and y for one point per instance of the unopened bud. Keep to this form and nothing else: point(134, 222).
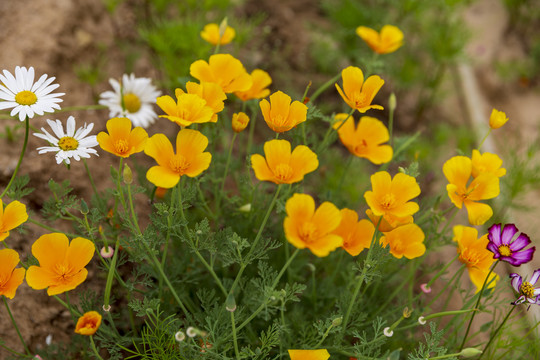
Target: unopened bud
point(179, 336)
point(337, 321)
point(128, 175)
point(392, 102)
point(222, 27)
point(311, 267)
point(245, 208)
point(470, 352)
point(239, 121)
point(230, 303)
point(84, 207)
point(407, 313)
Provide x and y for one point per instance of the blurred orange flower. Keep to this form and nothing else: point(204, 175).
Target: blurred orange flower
point(497, 119)
point(61, 264)
point(280, 114)
point(10, 278)
point(306, 227)
point(187, 110)
point(239, 121)
point(88, 324)
point(121, 140)
point(389, 40)
point(211, 33)
point(190, 158)
point(486, 163)
point(356, 235)
point(210, 92)
point(406, 240)
point(321, 354)
point(259, 88)
point(280, 165)
point(12, 216)
point(357, 93)
point(224, 70)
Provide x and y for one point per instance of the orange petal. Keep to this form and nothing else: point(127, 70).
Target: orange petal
point(76, 280)
point(162, 177)
point(457, 171)
point(353, 79)
point(261, 169)
point(327, 218)
point(201, 71)
point(50, 249)
point(380, 154)
point(297, 113)
point(137, 140)
point(160, 149)
point(478, 212)
point(324, 245)
point(119, 128)
point(321, 354)
point(371, 87)
point(302, 161)
point(404, 187)
point(300, 208)
point(290, 227)
point(485, 186)
point(168, 105)
point(16, 279)
point(79, 253)
point(39, 278)
point(14, 215)
point(277, 152)
point(8, 260)
point(190, 142)
point(200, 163)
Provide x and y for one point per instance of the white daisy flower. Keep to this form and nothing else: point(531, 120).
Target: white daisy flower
point(133, 98)
point(26, 97)
point(71, 144)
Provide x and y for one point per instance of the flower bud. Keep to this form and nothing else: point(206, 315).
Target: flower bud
point(497, 119)
point(337, 321)
point(407, 313)
point(392, 102)
point(84, 207)
point(179, 336)
point(222, 27)
point(239, 121)
point(230, 303)
point(470, 352)
point(128, 175)
point(245, 208)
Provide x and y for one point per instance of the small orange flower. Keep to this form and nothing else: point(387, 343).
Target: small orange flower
point(211, 33)
point(281, 166)
point(321, 354)
point(190, 158)
point(486, 163)
point(388, 222)
point(121, 140)
point(389, 40)
point(497, 119)
point(406, 240)
point(88, 324)
point(12, 216)
point(10, 278)
point(259, 88)
point(210, 92)
point(61, 264)
point(189, 109)
point(280, 114)
point(357, 93)
point(365, 140)
point(356, 235)
point(239, 121)
point(306, 227)
point(224, 70)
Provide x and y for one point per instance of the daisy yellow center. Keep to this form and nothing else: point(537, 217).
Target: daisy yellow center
point(283, 172)
point(26, 98)
point(527, 289)
point(68, 143)
point(388, 201)
point(132, 102)
point(308, 232)
point(504, 250)
point(179, 164)
point(121, 146)
point(64, 273)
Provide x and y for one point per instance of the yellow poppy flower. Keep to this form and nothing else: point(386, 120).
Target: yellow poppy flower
point(190, 158)
point(210, 33)
point(280, 115)
point(280, 165)
point(406, 240)
point(387, 41)
point(10, 278)
point(61, 263)
point(121, 140)
point(239, 121)
point(306, 227)
point(474, 254)
point(391, 196)
point(485, 186)
point(189, 109)
point(259, 89)
point(388, 222)
point(210, 92)
point(357, 93)
point(365, 140)
point(356, 235)
point(486, 163)
point(12, 216)
point(497, 119)
point(321, 354)
point(224, 70)
point(88, 324)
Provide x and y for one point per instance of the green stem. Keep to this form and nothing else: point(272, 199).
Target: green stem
point(456, 276)
point(49, 228)
point(492, 337)
point(132, 208)
point(211, 270)
point(91, 180)
point(110, 275)
point(20, 355)
point(237, 353)
point(484, 139)
point(324, 86)
point(252, 121)
point(442, 271)
point(94, 348)
point(15, 326)
point(222, 187)
point(447, 356)
point(167, 239)
point(329, 131)
point(25, 143)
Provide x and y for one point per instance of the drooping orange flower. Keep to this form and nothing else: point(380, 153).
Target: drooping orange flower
point(10, 278)
point(390, 197)
point(280, 114)
point(389, 40)
point(61, 263)
point(239, 121)
point(388, 222)
point(259, 88)
point(357, 93)
point(280, 165)
point(211, 33)
point(365, 140)
point(224, 70)
point(187, 110)
point(189, 159)
point(306, 227)
point(210, 92)
point(12, 216)
point(486, 163)
point(321, 354)
point(474, 254)
point(497, 119)
point(120, 139)
point(356, 235)
point(458, 171)
point(406, 240)
point(88, 324)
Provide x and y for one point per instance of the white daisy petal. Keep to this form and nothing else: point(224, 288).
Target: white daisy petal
point(70, 126)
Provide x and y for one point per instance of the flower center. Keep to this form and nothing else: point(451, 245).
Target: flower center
point(121, 146)
point(504, 250)
point(132, 102)
point(527, 289)
point(360, 100)
point(64, 273)
point(179, 164)
point(25, 98)
point(388, 201)
point(68, 143)
point(468, 257)
point(308, 232)
point(360, 148)
point(283, 172)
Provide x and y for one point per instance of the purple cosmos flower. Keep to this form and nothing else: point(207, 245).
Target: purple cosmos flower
point(504, 247)
point(526, 290)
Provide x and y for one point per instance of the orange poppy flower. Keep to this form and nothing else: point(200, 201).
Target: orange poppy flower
point(389, 40)
point(121, 140)
point(497, 119)
point(211, 33)
point(12, 216)
point(356, 235)
point(190, 158)
point(306, 227)
point(388, 222)
point(210, 92)
point(259, 89)
point(357, 93)
point(486, 163)
point(406, 240)
point(224, 70)
point(321, 354)
point(189, 108)
point(61, 263)
point(10, 278)
point(88, 324)
point(280, 114)
point(365, 140)
point(280, 165)
point(239, 121)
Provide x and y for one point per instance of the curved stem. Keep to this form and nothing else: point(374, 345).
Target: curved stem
point(94, 348)
point(25, 143)
point(492, 337)
point(110, 275)
point(222, 187)
point(235, 341)
point(324, 86)
point(15, 326)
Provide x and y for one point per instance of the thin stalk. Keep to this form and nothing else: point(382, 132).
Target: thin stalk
point(15, 326)
point(222, 187)
point(21, 355)
point(492, 337)
point(49, 228)
point(94, 348)
point(484, 139)
point(236, 352)
point(110, 275)
point(25, 143)
point(456, 276)
point(132, 208)
point(168, 237)
point(91, 180)
point(252, 121)
point(442, 271)
point(212, 272)
point(324, 86)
